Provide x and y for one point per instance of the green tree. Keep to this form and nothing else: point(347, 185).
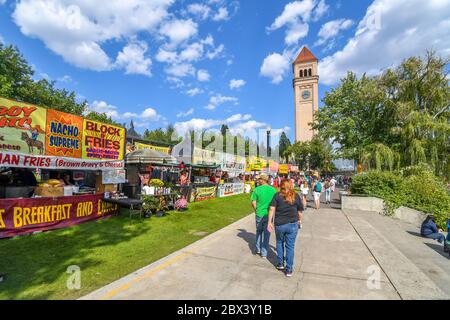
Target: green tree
point(284, 145)
point(101, 117)
point(400, 118)
point(16, 83)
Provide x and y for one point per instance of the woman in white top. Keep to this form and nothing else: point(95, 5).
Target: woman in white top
point(304, 190)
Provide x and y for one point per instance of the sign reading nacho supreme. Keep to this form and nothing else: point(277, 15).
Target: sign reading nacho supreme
point(64, 134)
point(102, 141)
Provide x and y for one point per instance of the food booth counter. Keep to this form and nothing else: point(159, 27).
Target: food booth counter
point(51, 168)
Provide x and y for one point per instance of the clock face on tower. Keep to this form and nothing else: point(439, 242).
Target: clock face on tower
point(306, 95)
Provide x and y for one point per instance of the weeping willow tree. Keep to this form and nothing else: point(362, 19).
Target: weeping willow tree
point(379, 157)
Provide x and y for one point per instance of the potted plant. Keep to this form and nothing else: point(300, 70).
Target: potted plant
point(181, 204)
point(157, 184)
point(161, 207)
point(150, 205)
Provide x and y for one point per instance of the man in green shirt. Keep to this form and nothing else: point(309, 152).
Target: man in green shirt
point(261, 198)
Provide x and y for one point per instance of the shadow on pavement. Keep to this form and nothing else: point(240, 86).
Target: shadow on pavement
point(439, 248)
point(249, 237)
point(417, 234)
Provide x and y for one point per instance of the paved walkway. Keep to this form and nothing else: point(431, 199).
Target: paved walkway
point(336, 252)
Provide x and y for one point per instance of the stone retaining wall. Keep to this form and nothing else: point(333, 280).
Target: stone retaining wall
point(374, 204)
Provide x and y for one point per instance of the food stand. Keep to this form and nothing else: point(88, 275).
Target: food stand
point(233, 167)
point(52, 166)
point(202, 167)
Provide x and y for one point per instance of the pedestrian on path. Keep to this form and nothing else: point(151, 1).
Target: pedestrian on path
point(430, 230)
point(317, 190)
point(327, 191)
point(286, 215)
point(261, 199)
point(305, 191)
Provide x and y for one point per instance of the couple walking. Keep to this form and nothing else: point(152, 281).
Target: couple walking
point(279, 211)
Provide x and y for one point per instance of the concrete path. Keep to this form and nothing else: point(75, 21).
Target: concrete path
point(339, 255)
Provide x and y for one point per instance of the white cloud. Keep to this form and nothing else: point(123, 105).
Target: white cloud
point(166, 56)
point(295, 33)
point(149, 114)
point(245, 127)
point(213, 54)
point(275, 66)
point(132, 59)
point(203, 75)
point(179, 30)
point(65, 78)
point(75, 30)
point(218, 100)
point(103, 107)
point(200, 10)
point(236, 84)
point(192, 53)
point(185, 114)
point(193, 92)
point(331, 29)
point(320, 10)
point(221, 15)
point(180, 70)
point(296, 16)
point(239, 117)
point(197, 124)
point(391, 31)
point(128, 115)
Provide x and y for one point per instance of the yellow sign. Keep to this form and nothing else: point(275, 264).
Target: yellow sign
point(283, 169)
point(140, 146)
point(256, 164)
point(22, 127)
point(102, 141)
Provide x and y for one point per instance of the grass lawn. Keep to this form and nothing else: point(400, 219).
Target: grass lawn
point(106, 250)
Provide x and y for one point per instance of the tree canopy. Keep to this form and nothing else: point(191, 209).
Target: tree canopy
point(16, 82)
point(397, 119)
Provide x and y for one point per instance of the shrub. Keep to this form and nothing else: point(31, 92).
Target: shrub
point(415, 187)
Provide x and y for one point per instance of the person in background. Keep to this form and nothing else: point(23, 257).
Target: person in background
point(285, 215)
point(333, 182)
point(317, 190)
point(430, 230)
point(184, 181)
point(261, 199)
point(305, 191)
point(67, 180)
point(327, 191)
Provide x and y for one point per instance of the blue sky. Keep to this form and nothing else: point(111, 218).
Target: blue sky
point(165, 61)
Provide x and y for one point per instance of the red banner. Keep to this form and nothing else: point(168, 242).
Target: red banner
point(21, 216)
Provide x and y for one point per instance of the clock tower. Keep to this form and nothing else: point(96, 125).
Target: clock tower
point(306, 93)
